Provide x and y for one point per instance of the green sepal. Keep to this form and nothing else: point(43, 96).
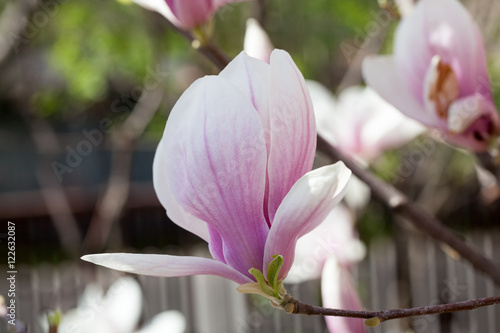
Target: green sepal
point(273, 271)
point(261, 280)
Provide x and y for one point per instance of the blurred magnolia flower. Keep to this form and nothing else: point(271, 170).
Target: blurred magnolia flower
point(361, 125)
point(233, 167)
point(338, 292)
point(185, 14)
point(336, 237)
point(118, 311)
point(329, 252)
point(438, 74)
point(257, 43)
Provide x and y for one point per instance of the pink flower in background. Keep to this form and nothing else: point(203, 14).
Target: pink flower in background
point(233, 167)
point(186, 14)
point(438, 74)
point(330, 252)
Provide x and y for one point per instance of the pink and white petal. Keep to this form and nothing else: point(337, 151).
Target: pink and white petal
point(338, 292)
point(381, 74)
point(257, 43)
point(161, 7)
point(473, 121)
point(165, 265)
point(174, 211)
point(293, 129)
point(192, 13)
point(216, 166)
point(252, 77)
point(307, 204)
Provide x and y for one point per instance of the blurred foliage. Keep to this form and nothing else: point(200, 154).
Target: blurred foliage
point(93, 42)
point(96, 46)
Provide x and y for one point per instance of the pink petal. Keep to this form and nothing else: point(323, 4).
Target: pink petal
point(252, 77)
point(191, 13)
point(307, 204)
point(257, 43)
point(381, 74)
point(174, 211)
point(216, 167)
point(473, 121)
point(339, 293)
point(165, 265)
point(293, 129)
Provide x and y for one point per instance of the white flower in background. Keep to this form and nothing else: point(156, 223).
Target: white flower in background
point(117, 311)
point(362, 126)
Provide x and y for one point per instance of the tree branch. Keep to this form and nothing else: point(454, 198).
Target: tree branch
point(375, 317)
point(401, 205)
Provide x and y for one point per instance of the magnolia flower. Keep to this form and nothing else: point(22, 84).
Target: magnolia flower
point(118, 311)
point(329, 252)
point(185, 14)
point(438, 74)
point(233, 167)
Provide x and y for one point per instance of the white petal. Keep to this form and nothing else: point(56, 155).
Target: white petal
point(165, 265)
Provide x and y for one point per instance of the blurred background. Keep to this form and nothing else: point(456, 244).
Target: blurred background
point(85, 91)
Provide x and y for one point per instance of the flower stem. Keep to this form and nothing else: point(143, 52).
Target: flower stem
point(306, 309)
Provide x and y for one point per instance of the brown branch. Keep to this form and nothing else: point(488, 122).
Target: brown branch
point(296, 307)
point(401, 205)
point(115, 196)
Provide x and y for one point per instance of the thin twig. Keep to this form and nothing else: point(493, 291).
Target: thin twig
point(401, 205)
point(306, 309)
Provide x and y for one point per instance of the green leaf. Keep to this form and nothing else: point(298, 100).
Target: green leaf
point(261, 281)
point(273, 272)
